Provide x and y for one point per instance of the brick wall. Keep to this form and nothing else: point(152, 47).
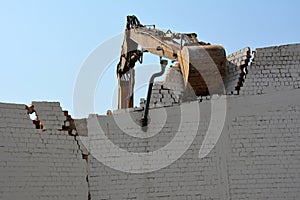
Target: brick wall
point(187, 177)
point(36, 163)
point(174, 81)
point(273, 69)
point(264, 147)
point(50, 114)
point(236, 69)
point(255, 157)
point(168, 92)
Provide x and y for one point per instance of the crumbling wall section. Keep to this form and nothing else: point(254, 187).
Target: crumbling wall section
point(235, 73)
point(39, 163)
point(168, 92)
point(50, 114)
point(273, 69)
point(174, 81)
point(161, 96)
point(236, 69)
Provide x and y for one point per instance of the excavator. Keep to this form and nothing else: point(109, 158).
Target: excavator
point(202, 65)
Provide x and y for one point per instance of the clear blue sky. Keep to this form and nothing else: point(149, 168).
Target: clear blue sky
point(44, 43)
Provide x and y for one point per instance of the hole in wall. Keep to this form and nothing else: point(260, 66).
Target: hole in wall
point(34, 117)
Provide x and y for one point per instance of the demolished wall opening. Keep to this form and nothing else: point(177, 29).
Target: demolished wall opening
point(34, 117)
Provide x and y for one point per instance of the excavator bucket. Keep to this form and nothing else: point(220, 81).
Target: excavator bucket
point(203, 68)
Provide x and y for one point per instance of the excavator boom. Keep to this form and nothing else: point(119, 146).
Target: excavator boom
point(202, 64)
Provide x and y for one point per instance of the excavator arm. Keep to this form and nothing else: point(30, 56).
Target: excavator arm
point(196, 59)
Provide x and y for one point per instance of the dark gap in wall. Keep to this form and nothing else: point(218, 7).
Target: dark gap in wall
point(34, 117)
